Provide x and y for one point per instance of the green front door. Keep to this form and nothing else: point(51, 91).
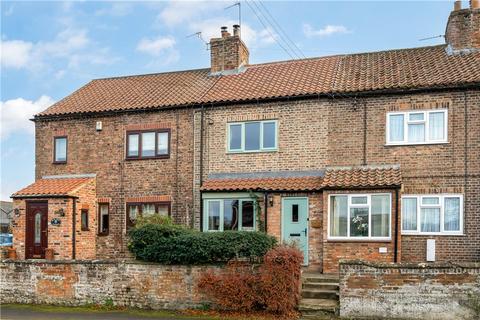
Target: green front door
point(295, 224)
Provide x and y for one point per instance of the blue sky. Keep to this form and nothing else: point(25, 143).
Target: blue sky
point(49, 49)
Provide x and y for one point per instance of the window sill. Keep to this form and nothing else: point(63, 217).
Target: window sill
point(382, 240)
point(410, 144)
point(253, 151)
point(102, 234)
point(429, 234)
point(148, 158)
point(59, 162)
point(84, 229)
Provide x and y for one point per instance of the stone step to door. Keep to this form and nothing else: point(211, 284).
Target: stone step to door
point(320, 285)
point(317, 307)
point(320, 294)
point(319, 277)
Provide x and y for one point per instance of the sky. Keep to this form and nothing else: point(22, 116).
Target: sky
point(50, 49)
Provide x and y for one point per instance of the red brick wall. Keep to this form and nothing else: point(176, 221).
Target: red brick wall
point(139, 285)
point(103, 153)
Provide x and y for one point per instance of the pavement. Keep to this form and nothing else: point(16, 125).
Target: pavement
point(20, 312)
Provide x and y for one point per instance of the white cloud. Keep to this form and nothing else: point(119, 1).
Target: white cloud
point(326, 31)
point(15, 114)
point(15, 53)
point(70, 47)
point(156, 46)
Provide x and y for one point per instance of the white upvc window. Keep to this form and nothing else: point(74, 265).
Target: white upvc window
point(432, 214)
point(229, 214)
point(417, 127)
point(359, 216)
point(252, 136)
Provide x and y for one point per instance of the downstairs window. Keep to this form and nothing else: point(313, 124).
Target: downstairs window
point(135, 210)
point(359, 216)
point(229, 214)
point(432, 214)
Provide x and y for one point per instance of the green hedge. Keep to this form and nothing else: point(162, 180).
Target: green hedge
point(169, 244)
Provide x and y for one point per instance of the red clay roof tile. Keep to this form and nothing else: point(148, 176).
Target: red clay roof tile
point(264, 184)
point(362, 177)
point(403, 69)
point(51, 187)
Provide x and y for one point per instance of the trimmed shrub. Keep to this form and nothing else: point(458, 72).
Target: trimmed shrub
point(273, 287)
point(153, 219)
point(172, 244)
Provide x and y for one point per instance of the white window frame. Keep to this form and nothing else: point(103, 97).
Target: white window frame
point(367, 205)
point(441, 205)
point(426, 121)
point(242, 148)
point(222, 208)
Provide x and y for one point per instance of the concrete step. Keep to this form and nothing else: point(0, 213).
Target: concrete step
point(320, 285)
point(320, 294)
point(317, 307)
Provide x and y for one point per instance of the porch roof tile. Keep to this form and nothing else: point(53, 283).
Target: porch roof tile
point(362, 177)
point(48, 187)
point(310, 183)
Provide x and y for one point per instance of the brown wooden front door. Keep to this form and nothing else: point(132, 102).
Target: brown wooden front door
point(36, 230)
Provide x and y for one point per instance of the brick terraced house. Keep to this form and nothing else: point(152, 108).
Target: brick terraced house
point(373, 156)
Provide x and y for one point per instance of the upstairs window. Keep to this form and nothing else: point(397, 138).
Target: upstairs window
point(417, 127)
point(135, 210)
point(103, 218)
point(432, 214)
point(60, 150)
point(254, 136)
point(148, 144)
point(355, 216)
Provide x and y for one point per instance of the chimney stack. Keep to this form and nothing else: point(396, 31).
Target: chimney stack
point(228, 54)
point(463, 28)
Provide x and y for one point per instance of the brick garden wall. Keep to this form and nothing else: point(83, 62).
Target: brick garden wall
point(131, 284)
point(410, 291)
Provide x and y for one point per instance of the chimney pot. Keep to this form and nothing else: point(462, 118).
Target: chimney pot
point(457, 5)
point(236, 30)
point(475, 4)
point(224, 32)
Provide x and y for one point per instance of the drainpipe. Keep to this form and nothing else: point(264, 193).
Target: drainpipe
point(202, 114)
point(395, 241)
point(74, 218)
point(265, 204)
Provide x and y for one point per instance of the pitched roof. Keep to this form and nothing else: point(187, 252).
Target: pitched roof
point(425, 67)
point(362, 177)
point(48, 187)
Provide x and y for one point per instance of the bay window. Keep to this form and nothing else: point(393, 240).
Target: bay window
point(355, 216)
point(148, 144)
point(253, 136)
point(417, 127)
point(432, 214)
point(229, 214)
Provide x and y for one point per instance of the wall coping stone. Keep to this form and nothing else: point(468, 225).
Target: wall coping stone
point(108, 262)
point(405, 265)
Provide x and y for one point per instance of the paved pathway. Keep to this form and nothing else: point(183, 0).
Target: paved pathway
point(16, 313)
